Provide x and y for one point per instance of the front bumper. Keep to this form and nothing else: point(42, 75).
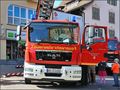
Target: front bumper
point(40, 72)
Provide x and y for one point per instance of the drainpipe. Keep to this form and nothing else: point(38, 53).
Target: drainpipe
point(83, 13)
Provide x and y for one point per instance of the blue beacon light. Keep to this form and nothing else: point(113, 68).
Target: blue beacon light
point(74, 19)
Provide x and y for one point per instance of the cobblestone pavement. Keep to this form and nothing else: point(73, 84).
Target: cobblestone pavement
point(14, 83)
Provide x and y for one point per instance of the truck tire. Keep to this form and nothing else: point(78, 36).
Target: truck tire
point(27, 81)
point(68, 83)
point(84, 79)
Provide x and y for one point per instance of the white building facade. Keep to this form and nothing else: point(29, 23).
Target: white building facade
point(106, 13)
point(99, 12)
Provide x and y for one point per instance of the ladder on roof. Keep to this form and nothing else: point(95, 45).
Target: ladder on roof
point(44, 9)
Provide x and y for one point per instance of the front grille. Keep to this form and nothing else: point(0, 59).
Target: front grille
point(53, 55)
point(53, 66)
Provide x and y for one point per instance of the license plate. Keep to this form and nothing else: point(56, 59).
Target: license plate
point(52, 70)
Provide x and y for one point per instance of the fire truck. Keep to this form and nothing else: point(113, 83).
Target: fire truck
point(113, 49)
point(113, 52)
point(55, 50)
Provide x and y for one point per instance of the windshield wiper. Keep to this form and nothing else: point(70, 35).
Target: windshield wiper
point(55, 42)
point(39, 41)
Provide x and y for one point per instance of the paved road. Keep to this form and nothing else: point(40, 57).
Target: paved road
point(15, 83)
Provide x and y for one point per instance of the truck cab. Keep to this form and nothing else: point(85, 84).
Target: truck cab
point(54, 51)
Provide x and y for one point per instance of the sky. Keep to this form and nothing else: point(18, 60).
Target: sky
point(57, 2)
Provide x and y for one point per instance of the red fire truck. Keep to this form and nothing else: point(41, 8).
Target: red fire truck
point(113, 52)
point(56, 52)
point(113, 49)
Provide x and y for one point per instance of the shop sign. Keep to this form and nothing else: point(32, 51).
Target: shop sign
point(11, 35)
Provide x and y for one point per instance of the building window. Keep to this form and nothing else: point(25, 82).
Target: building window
point(95, 13)
point(30, 13)
point(23, 16)
point(111, 33)
point(19, 15)
point(112, 2)
point(111, 17)
point(10, 14)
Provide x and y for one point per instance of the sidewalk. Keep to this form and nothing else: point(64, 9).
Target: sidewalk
point(99, 86)
point(107, 85)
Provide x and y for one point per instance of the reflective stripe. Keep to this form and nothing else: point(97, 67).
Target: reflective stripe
point(89, 64)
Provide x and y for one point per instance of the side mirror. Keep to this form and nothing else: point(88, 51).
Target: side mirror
point(18, 34)
point(89, 48)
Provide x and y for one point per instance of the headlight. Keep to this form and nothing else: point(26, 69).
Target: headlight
point(29, 69)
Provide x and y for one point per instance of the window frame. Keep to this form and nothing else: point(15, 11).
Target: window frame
point(112, 2)
point(95, 13)
point(12, 14)
point(111, 17)
point(13, 17)
point(111, 33)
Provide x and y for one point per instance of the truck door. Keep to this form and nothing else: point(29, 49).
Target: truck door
point(94, 45)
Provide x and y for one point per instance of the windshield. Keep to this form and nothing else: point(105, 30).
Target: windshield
point(40, 32)
point(112, 44)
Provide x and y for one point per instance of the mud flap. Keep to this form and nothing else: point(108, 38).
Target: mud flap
point(27, 81)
